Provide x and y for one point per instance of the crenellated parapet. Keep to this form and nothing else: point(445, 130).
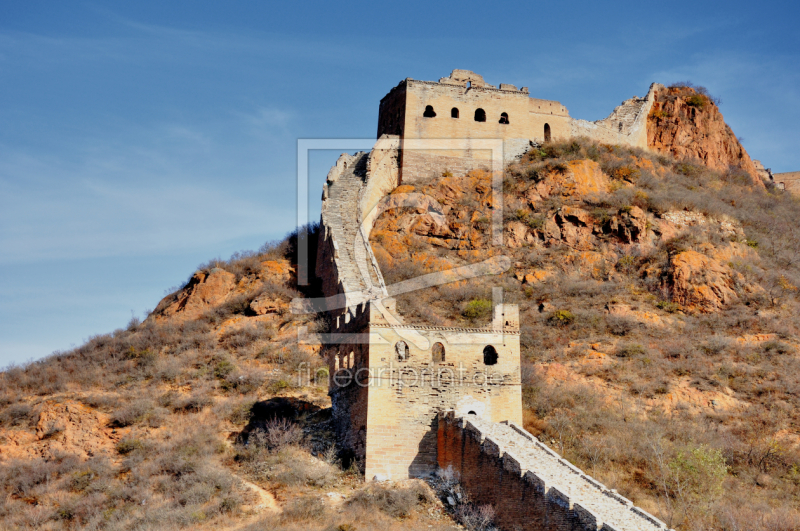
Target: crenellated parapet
point(529, 483)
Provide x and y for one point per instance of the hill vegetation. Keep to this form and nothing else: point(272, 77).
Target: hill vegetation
point(198, 417)
point(660, 350)
point(659, 314)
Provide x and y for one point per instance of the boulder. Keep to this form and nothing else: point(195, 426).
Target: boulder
point(263, 304)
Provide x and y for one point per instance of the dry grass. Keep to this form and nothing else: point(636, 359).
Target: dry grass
point(631, 421)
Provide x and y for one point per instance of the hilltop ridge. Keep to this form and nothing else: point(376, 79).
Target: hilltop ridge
point(658, 328)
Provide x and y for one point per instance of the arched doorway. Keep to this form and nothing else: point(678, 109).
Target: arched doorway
point(547, 135)
point(489, 355)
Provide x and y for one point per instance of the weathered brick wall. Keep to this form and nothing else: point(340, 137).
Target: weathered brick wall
point(529, 485)
point(424, 166)
point(626, 125)
point(789, 180)
point(406, 396)
point(392, 112)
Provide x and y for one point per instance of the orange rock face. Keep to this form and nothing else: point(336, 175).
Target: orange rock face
point(64, 427)
point(207, 289)
point(686, 124)
point(701, 283)
point(586, 177)
point(203, 291)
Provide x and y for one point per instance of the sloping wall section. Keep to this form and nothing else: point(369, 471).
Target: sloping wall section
point(626, 125)
point(528, 484)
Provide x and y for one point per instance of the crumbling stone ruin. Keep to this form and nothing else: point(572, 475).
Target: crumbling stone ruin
point(463, 106)
point(409, 398)
point(789, 181)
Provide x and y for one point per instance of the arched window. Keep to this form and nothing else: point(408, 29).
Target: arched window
point(472, 413)
point(351, 360)
point(480, 115)
point(504, 118)
point(401, 349)
point(547, 136)
point(454, 112)
point(489, 355)
point(429, 112)
point(437, 353)
point(336, 362)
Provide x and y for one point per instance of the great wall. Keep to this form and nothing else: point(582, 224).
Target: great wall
point(408, 398)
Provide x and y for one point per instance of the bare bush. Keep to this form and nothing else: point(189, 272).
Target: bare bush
point(277, 434)
point(134, 412)
point(396, 501)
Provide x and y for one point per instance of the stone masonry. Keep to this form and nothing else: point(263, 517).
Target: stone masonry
point(529, 485)
point(392, 382)
point(789, 181)
point(464, 106)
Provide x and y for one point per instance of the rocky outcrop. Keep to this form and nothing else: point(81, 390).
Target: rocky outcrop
point(687, 124)
point(700, 283)
point(64, 427)
point(209, 288)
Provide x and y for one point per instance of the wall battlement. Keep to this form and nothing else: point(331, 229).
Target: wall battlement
point(526, 481)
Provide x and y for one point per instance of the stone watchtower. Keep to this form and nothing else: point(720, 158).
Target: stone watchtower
point(464, 106)
point(390, 379)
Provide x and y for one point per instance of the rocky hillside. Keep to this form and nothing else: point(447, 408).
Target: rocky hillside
point(660, 334)
point(685, 122)
point(659, 310)
point(200, 417)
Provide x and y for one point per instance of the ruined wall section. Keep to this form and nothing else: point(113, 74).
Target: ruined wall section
point(528, 484)
point(626, 125)
point(789, 181)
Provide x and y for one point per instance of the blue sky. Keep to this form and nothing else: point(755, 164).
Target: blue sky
point(140, 139)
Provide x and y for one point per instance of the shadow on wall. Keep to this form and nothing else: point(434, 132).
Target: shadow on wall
point(425, 462)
